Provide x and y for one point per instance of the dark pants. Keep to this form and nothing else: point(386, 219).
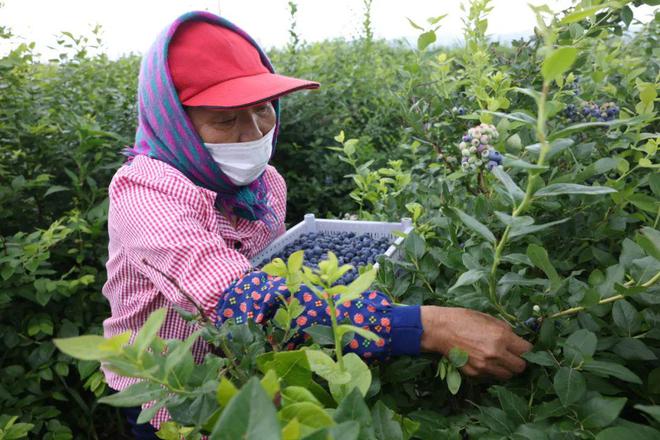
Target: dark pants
point(143, 431)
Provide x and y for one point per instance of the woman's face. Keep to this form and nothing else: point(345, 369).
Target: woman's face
point(230, 126)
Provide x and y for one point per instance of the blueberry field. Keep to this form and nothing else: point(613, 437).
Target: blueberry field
point(530, 172)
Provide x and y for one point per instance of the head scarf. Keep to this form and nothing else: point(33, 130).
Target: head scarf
point(166, 133)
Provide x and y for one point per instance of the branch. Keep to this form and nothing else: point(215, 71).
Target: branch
point(174, 282)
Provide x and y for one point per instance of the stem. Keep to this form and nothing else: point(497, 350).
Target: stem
point(238, 372)
point(578, 309)
point(524, 204)
point(174, 282)
point(333, 320)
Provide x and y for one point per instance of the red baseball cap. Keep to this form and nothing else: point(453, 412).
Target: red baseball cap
point(213, 66)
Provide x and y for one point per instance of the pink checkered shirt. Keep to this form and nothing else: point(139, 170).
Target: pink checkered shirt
point(158, 214)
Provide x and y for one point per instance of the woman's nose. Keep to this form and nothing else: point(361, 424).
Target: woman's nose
point(249, 126)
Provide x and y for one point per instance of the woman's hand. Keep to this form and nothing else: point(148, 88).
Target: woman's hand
point(492, 347)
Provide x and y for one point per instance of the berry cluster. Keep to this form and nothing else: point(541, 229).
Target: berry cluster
point(590, 111)
point(477, 149)
point(459, 110)
point(574, 86)
point(350, 248)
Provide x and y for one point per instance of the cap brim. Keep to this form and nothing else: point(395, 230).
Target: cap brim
point(248, 90)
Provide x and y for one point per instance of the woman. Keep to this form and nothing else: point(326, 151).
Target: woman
point(197, 198)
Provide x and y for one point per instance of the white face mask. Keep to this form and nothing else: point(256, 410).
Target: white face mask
point(243, 162)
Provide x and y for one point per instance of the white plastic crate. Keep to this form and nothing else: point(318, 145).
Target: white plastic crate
point(329, 226)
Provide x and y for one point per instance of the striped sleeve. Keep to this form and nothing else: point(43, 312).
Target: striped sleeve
point(165, 222)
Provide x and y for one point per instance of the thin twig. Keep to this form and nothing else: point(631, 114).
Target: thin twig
point(610, 299)
point(174, 282)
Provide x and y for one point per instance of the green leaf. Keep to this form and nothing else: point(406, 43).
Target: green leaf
point(570, 386)
point(512, 404)
point(307, 413)
point(270, 383)
point(359, 286)
point(652, 410)
point(518, 259)
point(454, 380)
point(649, 240)
point(295, 261)
point(572, 188)
point(181, 352)
point(633, 349)
point(542, 358)
point(276, 268)
point(584, 125)
point(539, 257)
point(625, 432)
point(348, 430)
point(87, 347)
point(581, 14)
point(149, 330)
point(360, 378)
point(626, 317)
point(599, 411)
point(353, 408)
point(291, 366)
point(414, 245)
point(225, 391)
point(321, 334)
point(415, 25)
point(579, 346)
point(496, 420)
point(135, 395)
point(385, 426)
point(558, 62)
point(519, 231)
point(514, 190)
point(291, 431)
point(425, 39)
point(55, 189)
point(294, 394)
point(611, 369)
point(282, 319)
point(475, 225)
point(326, 367)
point(457, 357)
point(519, 163)
point(515, 116)
point(342, 329)
point(15, 430)
point(467, 278)
point(249, 415)
point(546, 410)
point(556, 147)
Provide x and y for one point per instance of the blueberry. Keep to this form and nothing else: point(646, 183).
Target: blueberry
point(533, 324)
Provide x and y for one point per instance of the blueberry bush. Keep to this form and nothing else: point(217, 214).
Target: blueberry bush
point(529, 170)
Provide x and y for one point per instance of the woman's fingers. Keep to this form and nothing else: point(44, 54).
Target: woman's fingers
point(498, 372)
point(469, 370)
point(518, 345)
point(512, 362)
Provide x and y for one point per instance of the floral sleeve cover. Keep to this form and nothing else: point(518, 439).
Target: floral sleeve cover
point(255, 296)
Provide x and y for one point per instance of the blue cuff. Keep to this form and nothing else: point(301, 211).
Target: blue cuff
point(406, 333)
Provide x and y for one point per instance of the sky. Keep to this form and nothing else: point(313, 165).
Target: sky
point(130, 26)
